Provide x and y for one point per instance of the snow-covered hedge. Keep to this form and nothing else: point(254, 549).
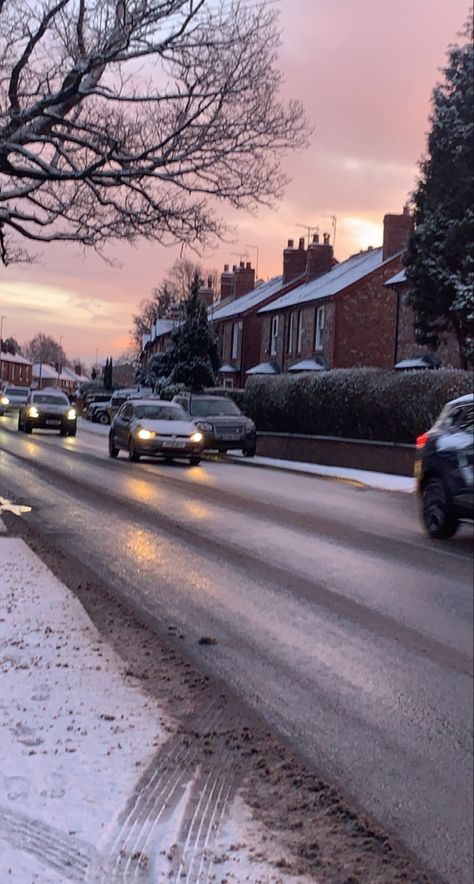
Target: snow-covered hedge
point(360, 403)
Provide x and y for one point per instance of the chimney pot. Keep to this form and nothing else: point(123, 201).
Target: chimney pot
point(290, 243)
point(226, 268)
point(301, 243)
point(316, 237)
point(248, 265)
point(326, 239)
point(242, 265)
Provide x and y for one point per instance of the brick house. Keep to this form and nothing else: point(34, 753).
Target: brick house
point(236, 319)
point(343, 318)
point(15, 369)
point(409, 354)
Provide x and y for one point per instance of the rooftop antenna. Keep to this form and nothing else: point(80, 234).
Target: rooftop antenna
point(247, 246)
point(309, 230)
point(334, 225)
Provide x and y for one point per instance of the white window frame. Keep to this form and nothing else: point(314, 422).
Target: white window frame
point(234, 344)
point(291, 331)
point(319, 328)
point(299, 340)
point(274, 336)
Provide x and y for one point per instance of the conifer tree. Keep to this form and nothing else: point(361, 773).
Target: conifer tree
point(440, 260)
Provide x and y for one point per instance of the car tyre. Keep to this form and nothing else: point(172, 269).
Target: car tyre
point(250, 452)
point(20, 425)
point(72, 432)
point(113, 451)
point(103, 418)
point(438, 518)
point(28, 428)
point(133, 455)
point(63, 431)
point(195, 460)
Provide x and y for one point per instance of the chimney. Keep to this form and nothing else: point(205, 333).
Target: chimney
point(205, 293)
point(396, 230)
point(294, 261)
point(319, 257)
point(244, 280)
point(227, 283)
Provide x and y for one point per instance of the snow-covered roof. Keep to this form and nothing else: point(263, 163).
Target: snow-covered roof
point(426, 360)
point(73, 376)
point(227, 369)
point(340, 277)
point(308, 365)
point(48, 373)
point(247, 302)
point(264, 368)
point(399, 277)
point(14, 357)
point(146, 338)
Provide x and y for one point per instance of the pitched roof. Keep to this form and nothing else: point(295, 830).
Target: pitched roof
point(336, 280)
point(14, 357)
point(399, 277)
point(246, 302)
point(264, 368)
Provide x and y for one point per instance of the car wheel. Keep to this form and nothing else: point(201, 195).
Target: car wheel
point(195, 460)
point(113, 451)
point(438, 517)
point(250, 452)
point(20, 425)
point(28, 428)
point(103, 418)
point(72, 432)
point(132, 453)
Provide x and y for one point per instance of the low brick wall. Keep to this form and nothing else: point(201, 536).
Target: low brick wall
point(382, 457)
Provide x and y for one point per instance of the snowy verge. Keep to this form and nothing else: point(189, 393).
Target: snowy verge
point(89, 427)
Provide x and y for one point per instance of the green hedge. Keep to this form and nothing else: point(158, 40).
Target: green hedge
point(361, 403)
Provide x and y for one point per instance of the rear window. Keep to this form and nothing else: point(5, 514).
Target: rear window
point(161, 412)
point(16, 391)
point(50, 399)
point(207, 407)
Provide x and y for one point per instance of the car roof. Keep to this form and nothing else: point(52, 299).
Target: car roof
point(51, 391)
point(150, 401)
point(462, 400)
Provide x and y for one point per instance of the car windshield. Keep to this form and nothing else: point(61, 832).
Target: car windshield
point(16, 391)
point(207, 407)
point(161, 412)
point(50, 399)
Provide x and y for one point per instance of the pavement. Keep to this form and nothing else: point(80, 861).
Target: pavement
point(77, 734)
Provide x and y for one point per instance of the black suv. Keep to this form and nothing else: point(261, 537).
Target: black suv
point(221, 422)
point(444, 468)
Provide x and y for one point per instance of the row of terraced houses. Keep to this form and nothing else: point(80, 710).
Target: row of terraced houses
point(317, 315)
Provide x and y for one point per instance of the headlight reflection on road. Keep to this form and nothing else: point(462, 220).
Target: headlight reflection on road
point(140, 490)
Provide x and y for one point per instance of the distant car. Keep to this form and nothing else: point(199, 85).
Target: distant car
point(48, 409)
point(221, 421)
point(154, 428)
point(444, 469)
point(124, 394)
point(99, 411)
point(11, 398)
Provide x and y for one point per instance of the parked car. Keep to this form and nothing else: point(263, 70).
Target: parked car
point(221, 421)
point(123, 395)
point(11, 398)
point(444, 469)
point(48, 409)
point(98, 411)
point(154, 428)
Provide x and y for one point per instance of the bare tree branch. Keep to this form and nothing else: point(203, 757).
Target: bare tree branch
point(129, 118)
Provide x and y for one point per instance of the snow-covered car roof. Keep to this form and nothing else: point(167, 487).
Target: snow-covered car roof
point(462, 400)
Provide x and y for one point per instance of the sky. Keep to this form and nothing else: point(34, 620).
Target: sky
point(364, 70)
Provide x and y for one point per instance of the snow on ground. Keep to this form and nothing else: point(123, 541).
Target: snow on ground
point(73, 735)
point(382, 481)
point(76, 740)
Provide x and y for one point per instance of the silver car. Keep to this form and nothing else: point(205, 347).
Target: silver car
point(12, 398)
point(154, 428)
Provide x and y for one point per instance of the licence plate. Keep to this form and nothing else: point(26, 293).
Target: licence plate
point(53, 423)
point(229, 437)
point(175, 444)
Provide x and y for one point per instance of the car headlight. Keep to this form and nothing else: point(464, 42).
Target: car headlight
point(249, 426)
point(4, 400)
point(71, 415)
point(196, 437)
point(33, 411)
point(204, 426)
point(145, 434)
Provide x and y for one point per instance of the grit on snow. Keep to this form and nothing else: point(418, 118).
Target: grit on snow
point(75, 739)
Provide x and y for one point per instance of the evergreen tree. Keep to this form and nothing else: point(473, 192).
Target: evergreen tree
point(440, 261)
point(190, 358)
point(107, 374)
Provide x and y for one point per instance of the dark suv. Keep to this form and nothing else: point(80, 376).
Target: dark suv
point(444, 468)
point(221, 422)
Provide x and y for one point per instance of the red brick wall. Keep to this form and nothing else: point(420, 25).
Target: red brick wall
point(365, 322)
point(406, 345)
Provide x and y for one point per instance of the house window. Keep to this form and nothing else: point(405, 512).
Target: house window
point(228, 383)
point(274, 336)
point(291, 327)
point(234, 347)
point(299, 341)
point(319, 329)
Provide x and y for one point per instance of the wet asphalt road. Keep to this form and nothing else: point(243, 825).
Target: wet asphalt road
point(334, 616)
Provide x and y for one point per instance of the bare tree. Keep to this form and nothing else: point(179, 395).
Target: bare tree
point(124, 118)
point(44, 348)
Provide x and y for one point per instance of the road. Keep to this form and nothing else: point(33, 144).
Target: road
point(346, 628)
